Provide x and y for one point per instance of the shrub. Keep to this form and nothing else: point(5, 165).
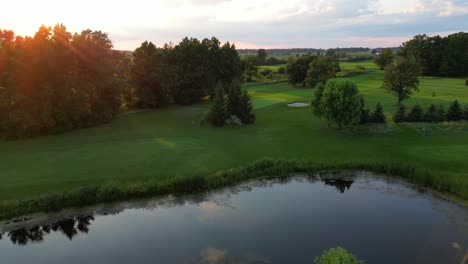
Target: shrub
point(466, 82)
point(465, 113)
point(455, 112)
point(233, 121)
point(282, 70)
point(378, 116)
point(400, 114)
point(415, 115)
point(218, 112)
point(337, 255)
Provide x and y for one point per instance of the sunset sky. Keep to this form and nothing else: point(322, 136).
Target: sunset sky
point(248, 23)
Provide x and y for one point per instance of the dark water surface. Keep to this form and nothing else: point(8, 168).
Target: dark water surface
point(266, 221)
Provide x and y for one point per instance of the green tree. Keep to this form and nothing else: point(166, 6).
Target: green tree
point(341, 103)
point(337, 256)
point(401, 79)
point(147, 76)
point(378, 115)
point(218, 112)
point(234, 99)
point(247, 114)
point(318, 94)
point(297, 68)
point(321, 70)
point(384, 58)
point(455, 112)
point(400, 114)
point(262, 56)
point(250, 64)
point(431, 114)
point(416, 114)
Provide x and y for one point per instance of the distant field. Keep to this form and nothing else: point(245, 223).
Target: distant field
point(172, 142)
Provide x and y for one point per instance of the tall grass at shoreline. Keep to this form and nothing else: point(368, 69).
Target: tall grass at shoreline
point(280, 168)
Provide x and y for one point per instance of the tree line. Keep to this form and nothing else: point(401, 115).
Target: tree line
point(183, 74)
point(436, 56)
point(57, 81)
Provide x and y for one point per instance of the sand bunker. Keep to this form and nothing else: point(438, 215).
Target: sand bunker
point(297, 104)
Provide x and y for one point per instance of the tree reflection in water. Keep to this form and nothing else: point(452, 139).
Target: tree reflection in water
point(340, 185)
point(69, 227)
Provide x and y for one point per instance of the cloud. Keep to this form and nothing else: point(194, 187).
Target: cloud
point(259, 23)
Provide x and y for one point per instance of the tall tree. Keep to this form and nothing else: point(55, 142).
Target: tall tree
point(147, 76)
point(401, 78)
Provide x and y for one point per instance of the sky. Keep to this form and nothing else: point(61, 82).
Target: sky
point(247, 23)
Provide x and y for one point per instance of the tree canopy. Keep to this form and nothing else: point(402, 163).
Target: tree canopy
point(57, 81)
point(401, 78)
point(321, 70)
point(439, 56)
point(340, 103)
point(384, 58)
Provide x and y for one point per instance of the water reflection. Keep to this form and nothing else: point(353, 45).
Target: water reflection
point(211, 255)
point(68, 227)
point(340, 184)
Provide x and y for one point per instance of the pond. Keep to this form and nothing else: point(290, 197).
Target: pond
point(292, 220)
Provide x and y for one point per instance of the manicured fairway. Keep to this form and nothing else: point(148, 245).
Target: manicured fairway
point(172, 141)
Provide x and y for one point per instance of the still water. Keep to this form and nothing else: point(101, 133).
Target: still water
point(266, 221)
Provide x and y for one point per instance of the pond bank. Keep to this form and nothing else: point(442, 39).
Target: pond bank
point(183, 185)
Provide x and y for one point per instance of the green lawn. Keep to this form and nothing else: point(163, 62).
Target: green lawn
point(173, 142)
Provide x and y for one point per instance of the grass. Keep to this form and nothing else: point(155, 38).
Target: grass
point(169, 145)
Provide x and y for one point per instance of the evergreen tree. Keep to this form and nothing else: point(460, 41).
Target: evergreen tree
point(247, 114)
point(365, 116)
point(234, 104)
point(415, 115)
point(378, 116)
point(218, 113)
point(441, 113)
point(455, 112)
point(400, 114)
point(431, 114)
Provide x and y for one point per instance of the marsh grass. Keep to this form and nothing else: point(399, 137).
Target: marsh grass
point(265, 168)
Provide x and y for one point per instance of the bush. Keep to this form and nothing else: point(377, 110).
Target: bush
point(465, 113)
point(415, 115)
point(281, 70)
point(400, 114)
point(266, 72)
point(337, 255)
point(455, 112)
point(466, 82)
